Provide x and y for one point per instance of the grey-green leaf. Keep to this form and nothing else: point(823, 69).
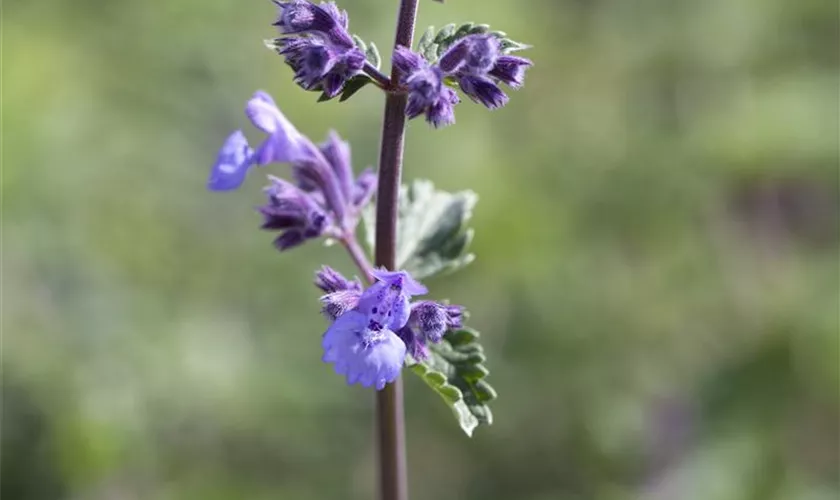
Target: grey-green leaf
point(372, 55)
point(359, 43)
point(432, 232)
point(352, 86)
point(426, 41)
point(455, 371)
point(451, 33)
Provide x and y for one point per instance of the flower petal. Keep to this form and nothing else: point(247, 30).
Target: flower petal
point(263, 112)
point(511, 70)
point(409, 285)
point(330, 280)
point(408, 61)
point(337, 153)
point(373, 364)
point(483, 90)
point(364, 188)
point(284, 143)
point(232, 163)
point(335, 304)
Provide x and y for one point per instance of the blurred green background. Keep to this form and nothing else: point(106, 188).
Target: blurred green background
point(656, 283)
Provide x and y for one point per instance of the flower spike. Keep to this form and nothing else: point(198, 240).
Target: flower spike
point(324, 200)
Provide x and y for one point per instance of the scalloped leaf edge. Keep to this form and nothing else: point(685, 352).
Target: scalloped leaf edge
point(455, 371)
point(433, 43)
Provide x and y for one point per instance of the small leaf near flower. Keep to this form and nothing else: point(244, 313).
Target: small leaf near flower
point(433, 44)
point(352, 86)
point(373, 57)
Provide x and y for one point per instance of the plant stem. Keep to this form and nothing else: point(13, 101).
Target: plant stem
point(380, 78)
point(358, 256)
point(390, 421)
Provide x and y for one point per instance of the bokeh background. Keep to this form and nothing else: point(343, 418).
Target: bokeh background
point(656, 283)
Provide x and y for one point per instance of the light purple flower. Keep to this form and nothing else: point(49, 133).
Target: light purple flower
point(368, 356)
point(232, 163)
point(283, 144)
point(361, 342)
point(326, 198)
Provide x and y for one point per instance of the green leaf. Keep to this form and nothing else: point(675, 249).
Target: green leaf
point(359, 43)
point(432, 232)
point(454, 370)
point(433, 44)
point(352, 86)
point(372, 55)
point(445, 32)
point(426, 46)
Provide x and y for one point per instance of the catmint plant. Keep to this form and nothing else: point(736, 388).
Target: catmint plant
point(378, 326)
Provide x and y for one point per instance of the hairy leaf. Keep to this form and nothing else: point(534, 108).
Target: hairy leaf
point(373, 57)
point(456, 372)
point(432, 232)
point(433, 44)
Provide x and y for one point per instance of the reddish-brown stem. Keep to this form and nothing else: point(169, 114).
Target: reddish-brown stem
point(390, 420)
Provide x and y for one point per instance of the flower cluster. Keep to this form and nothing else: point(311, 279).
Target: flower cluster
point(373, 329)
point(325, 199)
point(317, 45)
point(475, 62)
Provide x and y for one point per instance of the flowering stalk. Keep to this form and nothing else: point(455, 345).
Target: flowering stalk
point(390, 420)
point(378, 330)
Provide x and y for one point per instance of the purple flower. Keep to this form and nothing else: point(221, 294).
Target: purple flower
point(293, 211)
point(342, 294)
point(361, 342)
point(454, 317)
point(427, 323)
point(301, 17)
point(337, 303)
point(427, 92)
point(283, 144)
point(483, 90)
point(318, 46)
point(471, 55)
point(233, 162)
point(510, 70)
point(330, 280)
point(476, 62)
point(364, 187)
point(325, 198)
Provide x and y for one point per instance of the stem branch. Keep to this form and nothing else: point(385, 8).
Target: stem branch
point(358, 256)
point(379, 77)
